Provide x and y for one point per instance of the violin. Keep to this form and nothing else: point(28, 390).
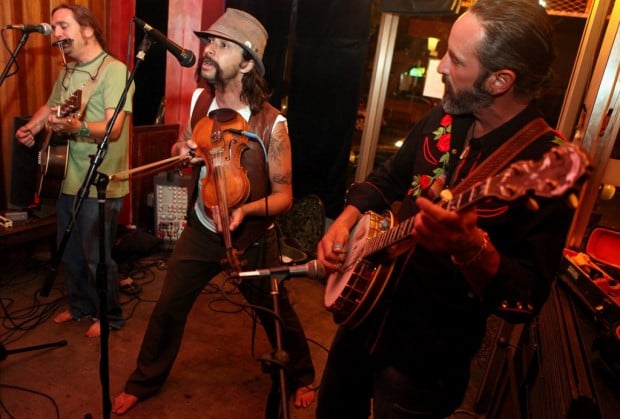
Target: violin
point(221, 143)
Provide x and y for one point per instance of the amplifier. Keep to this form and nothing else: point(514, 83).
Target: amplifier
point(172, 193)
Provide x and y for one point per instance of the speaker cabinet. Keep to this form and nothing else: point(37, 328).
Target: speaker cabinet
point(24, 169)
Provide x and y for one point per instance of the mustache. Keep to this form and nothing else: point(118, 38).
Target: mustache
point(63, 42)
point(218, 71)
point(209, 61)
point(447, 84)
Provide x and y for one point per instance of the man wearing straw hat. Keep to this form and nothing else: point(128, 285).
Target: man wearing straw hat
point(233, 68)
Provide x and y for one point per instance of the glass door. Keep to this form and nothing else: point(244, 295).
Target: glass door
point(402, 83)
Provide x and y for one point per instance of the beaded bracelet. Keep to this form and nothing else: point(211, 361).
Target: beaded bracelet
point(483, 247)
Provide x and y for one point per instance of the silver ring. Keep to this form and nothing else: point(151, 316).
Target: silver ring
point(337, 246)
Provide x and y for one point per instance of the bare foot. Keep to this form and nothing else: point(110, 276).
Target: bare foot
point(304, 396)
point(94, 331)
point(123, 402)
point(63, 317)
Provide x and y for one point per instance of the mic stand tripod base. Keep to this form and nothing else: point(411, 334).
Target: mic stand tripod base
point(279, 357)
point(6, 352)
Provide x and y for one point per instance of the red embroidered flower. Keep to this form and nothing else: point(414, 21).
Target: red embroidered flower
point(443, 144)
point(441, 137)
point(446, 120)
point(425, 181)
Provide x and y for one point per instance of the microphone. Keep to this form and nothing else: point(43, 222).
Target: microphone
point(44, 28)
point(313, 269)
point(186, 57)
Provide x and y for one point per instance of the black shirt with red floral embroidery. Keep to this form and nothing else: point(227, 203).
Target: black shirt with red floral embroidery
point(433, 311)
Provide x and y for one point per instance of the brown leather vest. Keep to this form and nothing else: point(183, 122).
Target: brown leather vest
point(253, 160)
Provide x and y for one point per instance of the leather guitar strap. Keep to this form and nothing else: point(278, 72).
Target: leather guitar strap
point(504, 154)
point(89, 87)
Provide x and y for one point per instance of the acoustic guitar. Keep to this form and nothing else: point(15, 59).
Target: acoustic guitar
point(55, 150)
point(376, 240)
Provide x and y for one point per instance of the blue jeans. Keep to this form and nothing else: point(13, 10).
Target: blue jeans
point(81, 257)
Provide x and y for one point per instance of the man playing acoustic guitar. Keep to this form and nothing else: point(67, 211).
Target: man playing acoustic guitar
point(412, 353)
point(100, 80)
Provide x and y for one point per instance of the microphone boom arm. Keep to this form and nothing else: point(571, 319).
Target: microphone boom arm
point(12, 60)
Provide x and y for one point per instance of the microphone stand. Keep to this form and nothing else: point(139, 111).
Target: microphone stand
point(100, 180)
point(5, 72)
point(4, 352)
point(279, 357)
point(22, 42)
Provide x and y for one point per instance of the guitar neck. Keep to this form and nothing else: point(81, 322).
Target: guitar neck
point(465, 199)
point(554, 175)
point(402, 231)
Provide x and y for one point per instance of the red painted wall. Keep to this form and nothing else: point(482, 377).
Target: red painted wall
point(182, 22)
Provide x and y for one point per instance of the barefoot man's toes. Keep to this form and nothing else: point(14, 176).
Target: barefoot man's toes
point(304, 396)
point(94, 331)
point(123, 402)
point(63, 317)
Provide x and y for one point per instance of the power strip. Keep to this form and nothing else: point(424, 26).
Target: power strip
point(172, 192)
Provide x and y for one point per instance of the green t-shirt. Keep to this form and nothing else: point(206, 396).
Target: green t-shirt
point(110, 75)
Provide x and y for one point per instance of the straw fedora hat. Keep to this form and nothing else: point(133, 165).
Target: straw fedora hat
point(243, 29)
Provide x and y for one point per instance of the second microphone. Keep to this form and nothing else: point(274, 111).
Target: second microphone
point(313, 269)
point(186, 57)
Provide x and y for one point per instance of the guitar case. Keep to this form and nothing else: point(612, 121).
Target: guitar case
point(593, 277)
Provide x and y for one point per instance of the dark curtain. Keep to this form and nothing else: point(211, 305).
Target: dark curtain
point(150, 78)
point(328, 60)
point(275, 16)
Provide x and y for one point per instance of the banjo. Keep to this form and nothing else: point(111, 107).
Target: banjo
point(377, 240)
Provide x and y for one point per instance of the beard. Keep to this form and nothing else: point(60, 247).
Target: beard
point(465, 101)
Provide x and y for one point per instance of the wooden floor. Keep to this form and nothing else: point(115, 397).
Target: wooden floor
point(216, 375)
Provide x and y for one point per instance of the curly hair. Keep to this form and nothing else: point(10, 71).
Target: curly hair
point(519, 37)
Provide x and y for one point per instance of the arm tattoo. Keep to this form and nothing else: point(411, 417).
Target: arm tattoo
point(284, 180)
point(279, 143)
